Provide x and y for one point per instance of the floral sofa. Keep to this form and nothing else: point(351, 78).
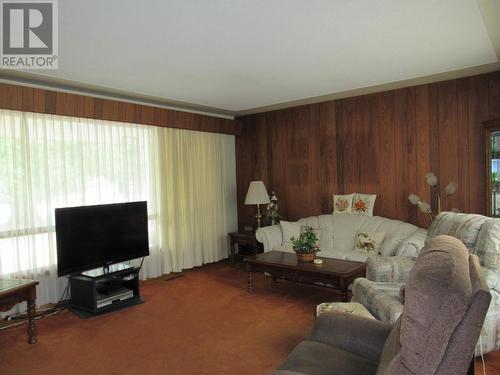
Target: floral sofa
point(339, 233)
point(379, 292)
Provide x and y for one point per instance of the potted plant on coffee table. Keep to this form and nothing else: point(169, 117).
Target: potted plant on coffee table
point(306, 246)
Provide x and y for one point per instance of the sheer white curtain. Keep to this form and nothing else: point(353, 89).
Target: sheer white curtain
point(196, 196)
point(48, 161)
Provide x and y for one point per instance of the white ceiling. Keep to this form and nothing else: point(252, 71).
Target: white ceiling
point(237, 55)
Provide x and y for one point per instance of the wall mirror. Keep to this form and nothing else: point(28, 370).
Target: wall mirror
point(493, 166)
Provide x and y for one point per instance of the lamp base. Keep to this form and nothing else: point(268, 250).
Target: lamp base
point(258, 216)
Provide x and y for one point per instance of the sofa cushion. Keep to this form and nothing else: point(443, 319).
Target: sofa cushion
point(391, 243)
point(345, 227)
point(333, 253)
point(465, 227)
point(396, 232)
point(289, 230)
point(439, 282)
point(382, 224)
point(411, 246)
point(326, 225)
point(311, 221)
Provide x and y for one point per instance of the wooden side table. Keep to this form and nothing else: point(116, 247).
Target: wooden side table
point(15, 291)
point(243, 238)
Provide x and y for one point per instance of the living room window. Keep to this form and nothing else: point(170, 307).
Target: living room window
point(54, 161)
point(48, 161)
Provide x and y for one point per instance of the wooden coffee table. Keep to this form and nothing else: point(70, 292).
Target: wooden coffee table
point(332, 273)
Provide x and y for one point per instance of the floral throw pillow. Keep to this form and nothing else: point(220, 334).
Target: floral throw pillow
point(363, 204)
point(369, 242)
point(342, 204)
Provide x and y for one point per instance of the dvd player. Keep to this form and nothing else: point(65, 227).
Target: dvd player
point(120, 295)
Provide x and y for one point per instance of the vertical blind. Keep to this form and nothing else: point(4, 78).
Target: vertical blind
point(49, 161)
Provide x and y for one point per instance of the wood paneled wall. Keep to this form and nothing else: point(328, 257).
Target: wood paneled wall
point(30, 99)
point(382, 143)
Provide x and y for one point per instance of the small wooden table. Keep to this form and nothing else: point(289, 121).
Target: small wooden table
point(333, 273)
point(242, 239)
point(15, 291)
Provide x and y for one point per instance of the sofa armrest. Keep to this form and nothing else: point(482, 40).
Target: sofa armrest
point(355, 334)
point(411, 246)
point(269, 236)
point(389, 269)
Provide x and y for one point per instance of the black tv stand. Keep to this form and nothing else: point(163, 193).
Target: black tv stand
point(101, 292)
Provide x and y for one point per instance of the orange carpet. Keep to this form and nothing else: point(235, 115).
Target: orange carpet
point(202, 323)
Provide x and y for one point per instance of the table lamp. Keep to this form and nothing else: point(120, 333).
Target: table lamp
point(257, 194)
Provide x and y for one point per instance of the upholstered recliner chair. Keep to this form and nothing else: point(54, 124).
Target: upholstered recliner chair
point(446, 299)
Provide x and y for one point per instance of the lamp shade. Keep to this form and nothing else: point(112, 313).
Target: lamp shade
point(413, 198)
point(257, 193)
point(431, 179)
point(451, 188)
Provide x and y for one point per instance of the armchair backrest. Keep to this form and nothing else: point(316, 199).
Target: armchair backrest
point(446, 300)
point(480, 234)
point(465, 227)
point(488, 244)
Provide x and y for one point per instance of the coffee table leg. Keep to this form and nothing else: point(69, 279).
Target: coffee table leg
point(31, 322)
point(250, 278)
point(344, 290)
point(250, 281)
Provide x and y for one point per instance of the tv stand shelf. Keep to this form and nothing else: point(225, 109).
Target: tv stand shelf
point(92, 295)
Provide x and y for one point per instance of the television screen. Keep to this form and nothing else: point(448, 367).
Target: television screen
point(95, 236)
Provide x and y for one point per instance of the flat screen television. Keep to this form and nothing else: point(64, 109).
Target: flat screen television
point(96, 236)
